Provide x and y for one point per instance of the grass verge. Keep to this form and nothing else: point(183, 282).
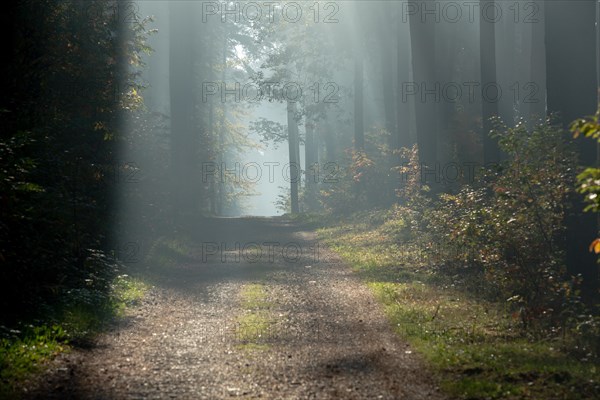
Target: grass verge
point(475, 346)
point(85, 312)
point(172, 252)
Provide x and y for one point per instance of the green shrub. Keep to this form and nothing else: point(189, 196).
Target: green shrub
point(506, 230)
point(363, 181)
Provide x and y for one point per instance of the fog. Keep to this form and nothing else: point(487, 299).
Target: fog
point(348, 69)
point(179, 166)
point(276, 108)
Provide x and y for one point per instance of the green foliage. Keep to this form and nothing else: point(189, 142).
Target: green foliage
point(170, 253)
point(589, 185)
point(587, 322)
point(413, 195)
point(589, 180)
point(508, 229)
point(86, 311)
point(66, 86)
point(21, 352)
point(269, 131)
point(65, 92)
point(17, 164)
point(284, 200)
point(363, 181)
point(82, 313)
point(476, 346)
point(126, 291)
point(588, 127)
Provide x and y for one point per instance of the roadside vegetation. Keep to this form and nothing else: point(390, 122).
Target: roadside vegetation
point(479, 347)
point(474, 276)
point(26, 349)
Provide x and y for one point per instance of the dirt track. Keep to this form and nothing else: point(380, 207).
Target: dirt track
point(325, 337)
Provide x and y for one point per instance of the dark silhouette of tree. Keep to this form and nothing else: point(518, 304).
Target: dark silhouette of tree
point(489, 108)
point(572, 91)
point(422, 35)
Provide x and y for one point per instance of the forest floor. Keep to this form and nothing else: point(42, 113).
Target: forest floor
point(246, 308)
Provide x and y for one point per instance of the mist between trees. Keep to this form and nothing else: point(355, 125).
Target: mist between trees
point(136, 132)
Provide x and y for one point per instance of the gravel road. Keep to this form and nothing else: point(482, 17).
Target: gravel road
point(259, 309)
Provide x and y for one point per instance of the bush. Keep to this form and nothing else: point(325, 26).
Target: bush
point(507, 229)
point(366, 181)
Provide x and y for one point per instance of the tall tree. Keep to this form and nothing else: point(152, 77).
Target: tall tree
point(359, 125)
point(61, 113)
point(402, 77)
point(487, 55)
point(182, 93)
point(293, 147)
point(537, 65)
point(387, 52)
point(311, 159)
point(299, 56)
point(329, 139)
point(422, 36)
point(506, 73)
point(358, 52)
point(572, 92)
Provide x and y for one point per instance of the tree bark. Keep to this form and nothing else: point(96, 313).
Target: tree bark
point(403, 75)
point(387, 54)
point(310, 161)
point(181, 80)
point(359, 128)
point(422, 36)
point(537, 106)
point(489, 109)
point(572, 92)
point(293, 147)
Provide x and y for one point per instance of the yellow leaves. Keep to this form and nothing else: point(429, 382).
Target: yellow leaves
point(595, 246)
point(132, 100)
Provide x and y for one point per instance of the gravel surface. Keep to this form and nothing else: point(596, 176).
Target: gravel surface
point(322, 333)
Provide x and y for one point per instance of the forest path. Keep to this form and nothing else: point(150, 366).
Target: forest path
point(280, 318)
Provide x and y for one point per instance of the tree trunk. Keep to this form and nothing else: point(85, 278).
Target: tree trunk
point(222, 125)
point(489, 109)
point(537, 105)
point(293, 146)
point(403, 75)
point(181, 80)
point(506, 76)
point(387, 53)
point(310, 161)
point(572, 92)
point(422, 36)
point(329, 139)
point(359, 128)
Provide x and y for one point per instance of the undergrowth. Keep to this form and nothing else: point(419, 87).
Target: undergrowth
point(477, 347)
point(82, 314)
